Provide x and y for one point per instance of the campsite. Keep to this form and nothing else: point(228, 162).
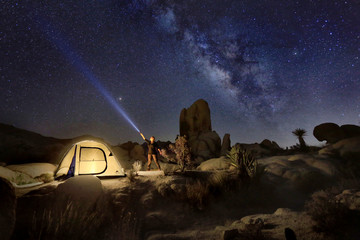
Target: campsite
point(180, 120)
point(92, 190)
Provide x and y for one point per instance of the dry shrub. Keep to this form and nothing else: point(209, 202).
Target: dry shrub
point(137, 165)
point(182, 152)
point(197, 193)
point(332, 217)
point(69, 220)
point(200, 190)
point(131, 175)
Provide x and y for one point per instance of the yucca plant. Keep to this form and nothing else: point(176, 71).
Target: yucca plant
point(300, 133)
point(244, 161)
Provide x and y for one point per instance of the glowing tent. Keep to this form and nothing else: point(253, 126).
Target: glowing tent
point(89, 158)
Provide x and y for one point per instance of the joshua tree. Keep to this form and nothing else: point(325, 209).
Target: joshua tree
point(300, 133)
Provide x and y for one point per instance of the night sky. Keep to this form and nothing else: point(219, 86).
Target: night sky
point(265, 67)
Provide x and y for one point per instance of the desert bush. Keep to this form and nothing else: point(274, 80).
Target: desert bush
point(245, 163)
point(182, 152)
point(137, 165)
point(332, 217)
point(200, 190)
point(197, 193)
point(69, 220)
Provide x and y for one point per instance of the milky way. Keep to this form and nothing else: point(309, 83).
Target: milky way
point(265, 67)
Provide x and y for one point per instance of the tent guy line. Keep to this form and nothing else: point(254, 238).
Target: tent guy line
point(69, 53)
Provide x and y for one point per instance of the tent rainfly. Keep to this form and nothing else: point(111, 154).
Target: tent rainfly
point(89, 158)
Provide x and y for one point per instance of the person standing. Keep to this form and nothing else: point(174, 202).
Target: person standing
point(153, 149)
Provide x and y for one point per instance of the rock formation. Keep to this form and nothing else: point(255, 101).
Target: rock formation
point(272, 145)
point(195, 124)
point(226, 145)
point(195, 119)
point(332, 133)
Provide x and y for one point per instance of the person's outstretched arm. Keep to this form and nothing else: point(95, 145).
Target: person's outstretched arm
point(142, 135)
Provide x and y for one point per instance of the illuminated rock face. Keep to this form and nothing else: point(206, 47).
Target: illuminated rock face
point(195, 124)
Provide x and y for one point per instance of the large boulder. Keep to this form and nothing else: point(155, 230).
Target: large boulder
point(329, 132)
point(84, 190)
point(226, 145)
point(214, 164)
point(195, 119)
point(332, 133)
point(7, 209)
point(204, 146)
point(195, 124)
point(350, 130)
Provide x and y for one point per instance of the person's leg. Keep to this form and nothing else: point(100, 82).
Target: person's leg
point(149, 162)
point(156, 162)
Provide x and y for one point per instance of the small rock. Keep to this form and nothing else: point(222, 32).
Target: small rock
point(282, 211)
point(230, 234)
point(85, 190)
point(289, 234)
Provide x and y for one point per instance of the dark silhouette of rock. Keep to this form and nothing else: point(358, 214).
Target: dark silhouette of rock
point(230, 234)
point(7, 209)
point(195, 124)
point(266, 143)
point(350, 130)
point(195, 119)
point(332, 133)
point(329, 132)
point(289, 234)
point(226, 145)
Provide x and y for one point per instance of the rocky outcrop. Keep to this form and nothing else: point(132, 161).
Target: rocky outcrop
point(348, 148)
point(332, 133)
point(195, 124)
point(204, 146)
point(305, 173)
point(350, 198)
point(7, 209)
point(226, 145)
point(195, 119)
point(272, 145)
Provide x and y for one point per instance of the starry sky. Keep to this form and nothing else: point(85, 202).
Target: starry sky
point(265, 67)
